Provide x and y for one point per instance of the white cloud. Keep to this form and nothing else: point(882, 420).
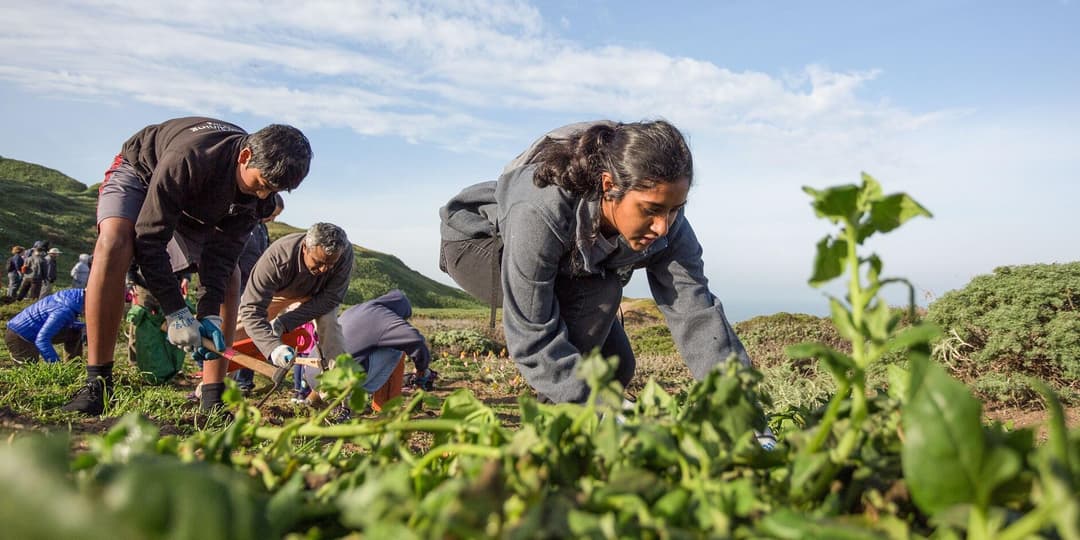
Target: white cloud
point(424, 71)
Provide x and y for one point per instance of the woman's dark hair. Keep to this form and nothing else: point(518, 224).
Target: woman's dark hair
point(637, 155)
point(282, 153)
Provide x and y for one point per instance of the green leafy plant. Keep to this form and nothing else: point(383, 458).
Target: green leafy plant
point(465, 341)
point(862, 317)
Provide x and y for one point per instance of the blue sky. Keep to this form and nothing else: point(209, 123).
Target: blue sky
point(971, 107)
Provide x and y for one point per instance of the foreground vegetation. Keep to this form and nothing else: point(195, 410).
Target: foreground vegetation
point(888, 446)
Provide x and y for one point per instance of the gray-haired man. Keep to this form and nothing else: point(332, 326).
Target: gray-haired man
point(301, 277)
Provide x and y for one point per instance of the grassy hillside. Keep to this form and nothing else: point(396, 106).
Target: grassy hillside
point(44, 204)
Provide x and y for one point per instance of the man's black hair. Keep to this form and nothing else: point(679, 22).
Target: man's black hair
point(282, 153)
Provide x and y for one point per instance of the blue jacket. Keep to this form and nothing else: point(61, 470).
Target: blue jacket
point(47, 317)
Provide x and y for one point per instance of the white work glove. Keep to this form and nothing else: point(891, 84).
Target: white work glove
point(282, 355)
point(183, 330)
point(766, 439)
point(277, 327)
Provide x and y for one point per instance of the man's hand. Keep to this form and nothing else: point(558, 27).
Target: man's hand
point(282, 355)
point(183, 330)
point(210, 328)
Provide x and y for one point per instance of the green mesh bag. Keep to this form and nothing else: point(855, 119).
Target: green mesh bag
point(157, 359)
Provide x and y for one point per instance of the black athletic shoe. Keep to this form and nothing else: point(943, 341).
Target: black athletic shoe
point(425, 381)
point(89, 400)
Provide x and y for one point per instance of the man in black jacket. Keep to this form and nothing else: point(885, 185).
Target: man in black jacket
point(182, 195)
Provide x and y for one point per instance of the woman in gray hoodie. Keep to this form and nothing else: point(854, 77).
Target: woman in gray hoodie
point(557, 237)
point(80, 272)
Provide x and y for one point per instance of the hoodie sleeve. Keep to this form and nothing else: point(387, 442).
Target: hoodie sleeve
point(695, 317)
point(536, 335)
point(57, 321)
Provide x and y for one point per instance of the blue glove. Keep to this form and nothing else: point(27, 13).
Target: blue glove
point(210, 327)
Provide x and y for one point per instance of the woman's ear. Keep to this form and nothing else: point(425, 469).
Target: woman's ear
point(607, 183)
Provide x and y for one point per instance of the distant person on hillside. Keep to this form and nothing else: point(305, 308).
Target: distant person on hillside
point(50, 272)
point(381, 324)
point(301, 277)
point(14, 270)
point(256, 244)
point(80, 272)
point(182, 195)
point(558, 236)
point(33, 275)
point(53, 319)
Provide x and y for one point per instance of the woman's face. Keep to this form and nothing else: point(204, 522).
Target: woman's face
point(642, 216)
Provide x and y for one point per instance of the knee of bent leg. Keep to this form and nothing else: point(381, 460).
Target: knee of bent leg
point(115, 236)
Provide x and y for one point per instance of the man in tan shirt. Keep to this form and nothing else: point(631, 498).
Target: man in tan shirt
point(301, 277)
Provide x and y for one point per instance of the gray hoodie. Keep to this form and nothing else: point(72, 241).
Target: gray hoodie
point(80, 272)
point(539, 227)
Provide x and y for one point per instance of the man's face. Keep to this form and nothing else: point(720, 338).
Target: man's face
point(249, 179)
point(317, 261)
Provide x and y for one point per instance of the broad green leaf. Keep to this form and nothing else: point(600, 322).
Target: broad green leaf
point(1000, 464)
point(829, 261)
point(835, 203)
point(869, 192)
point(920, 334)
point(841, 318)
point(893, 210)
point(899, 382)
point(877, 321)
point(1058, 443)
point(787, 524)
point(943, 453)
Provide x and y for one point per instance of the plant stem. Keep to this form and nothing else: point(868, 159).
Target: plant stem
point(345, 431)
point(459, 449)
point(825, 427)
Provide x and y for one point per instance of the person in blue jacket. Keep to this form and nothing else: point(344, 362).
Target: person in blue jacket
point(53, 319)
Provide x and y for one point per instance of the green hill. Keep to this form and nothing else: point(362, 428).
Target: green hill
point(44, 204)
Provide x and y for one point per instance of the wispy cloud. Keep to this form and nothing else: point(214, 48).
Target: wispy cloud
point(424, 71)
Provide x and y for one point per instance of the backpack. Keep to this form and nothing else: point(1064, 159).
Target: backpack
point(157, 359)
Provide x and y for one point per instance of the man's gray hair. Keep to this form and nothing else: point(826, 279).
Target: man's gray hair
point(328, 236)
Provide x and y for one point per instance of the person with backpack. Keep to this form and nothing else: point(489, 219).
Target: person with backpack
point(80, 272)
point(14, 270)
point(182, 195)
point(556, 238)
point(34, 269)
point(301, 277)
point(256, 244)
point(54, 319)
point(50, 272)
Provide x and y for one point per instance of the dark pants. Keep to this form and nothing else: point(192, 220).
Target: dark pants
point(23, 351)
point(587, 305)
point(14, 280)
point(31, 287)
